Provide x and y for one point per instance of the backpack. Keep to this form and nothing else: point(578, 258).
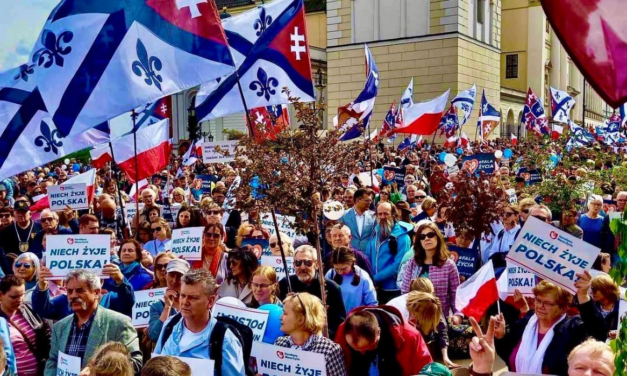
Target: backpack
point(243, 333)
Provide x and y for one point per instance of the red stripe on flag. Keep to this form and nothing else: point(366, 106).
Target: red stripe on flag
point(487, 295)
point(424, 125)
point(149, 162)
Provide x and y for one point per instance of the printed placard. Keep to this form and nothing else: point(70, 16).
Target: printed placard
point(393, 175)
point(199, 367)
point(141, 309)
point(68, 365)
point(72, 195)
point(130, 210)
point(531, 177)
point(481, 162)
point(65, 253)
point(283, 361)
point(521, 279)
point(466, 260)
point(284, 222)
point(511, 193)
point(205, 183)
point(551, 253)
point(255, 319)
point(609, 206)
point(277, 263)
point(210, 155)
point(187, 242)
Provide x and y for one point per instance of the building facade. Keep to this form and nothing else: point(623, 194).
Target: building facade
point(532, 56)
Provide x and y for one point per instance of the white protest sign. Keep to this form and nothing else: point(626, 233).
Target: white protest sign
point(141, 309)
point(187, 242)
point(199, 367)
point(255, 319)
point(67, 252)
point(283, 361)
point(277, 263)
point(551, 253)
point(211, 155)
point(284, 222)
point(72, 195)
point(68, 365)
point(521, 279)
point(130, 209)
point(511, 193)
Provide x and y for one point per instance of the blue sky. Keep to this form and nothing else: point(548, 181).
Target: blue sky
point(20, 24)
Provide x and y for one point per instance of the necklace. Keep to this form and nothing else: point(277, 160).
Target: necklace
point(23, 246)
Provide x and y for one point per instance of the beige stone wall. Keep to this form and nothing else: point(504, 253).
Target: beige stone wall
point(339, 22)
point(437, 64)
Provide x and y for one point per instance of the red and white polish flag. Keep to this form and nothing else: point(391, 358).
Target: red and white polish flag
point(424, 118)
point(478, 293)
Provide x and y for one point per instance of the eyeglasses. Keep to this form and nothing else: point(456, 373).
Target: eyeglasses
point(543, 304)
point(421, 197)
point(5, 215)
point(429, 235)
point(508, 214)
point(157, 229)
point(212, 235)
point(540, 217)
point(234, 261)
point(45, 220)
point(253, 237)
point(214, 212)
point(261, 286)
point(526, 211)
point(299, 263)
point(274, 244)
point(161, 266)
point(24, 264)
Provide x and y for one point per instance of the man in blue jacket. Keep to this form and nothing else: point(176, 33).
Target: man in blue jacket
point(120, 299)
point(388, 246)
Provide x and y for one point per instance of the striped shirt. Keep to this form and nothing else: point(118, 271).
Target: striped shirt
point(26, 360)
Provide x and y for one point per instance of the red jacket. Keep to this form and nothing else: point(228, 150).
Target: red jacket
point(412, 353)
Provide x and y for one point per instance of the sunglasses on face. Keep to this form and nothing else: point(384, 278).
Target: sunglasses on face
point(161, 266)
point(5, 215)
point(526, 211)
point(274, 244)
point(508, 214)
point(540, 217)
point(157, 229)
point(429, 235)
point(299, 263)
point(46, 220)
point(421, 197)
point(214, 212)
point(212, 235)
point(24, 264)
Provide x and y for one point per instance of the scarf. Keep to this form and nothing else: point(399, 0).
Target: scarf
point(127, 269)
point(215, 263)
point(531, 353)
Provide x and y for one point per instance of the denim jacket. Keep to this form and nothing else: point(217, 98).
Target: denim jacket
point(232, 353)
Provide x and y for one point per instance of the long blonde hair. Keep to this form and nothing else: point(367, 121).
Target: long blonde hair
point(426, 309)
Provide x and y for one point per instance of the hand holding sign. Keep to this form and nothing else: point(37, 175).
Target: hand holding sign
point(114, 272)
point(583, 285)
point(44, 275)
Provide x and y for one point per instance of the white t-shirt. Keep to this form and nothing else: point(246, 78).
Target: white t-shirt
point(400, 303)
point(188, 337)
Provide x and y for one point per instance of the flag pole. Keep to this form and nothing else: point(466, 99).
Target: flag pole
point(583, 107)
point(117, 188)
point(251, 129)
point(134, 116)
point(278, 239)
point(370, 153)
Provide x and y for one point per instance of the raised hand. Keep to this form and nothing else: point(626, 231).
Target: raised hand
point(481, 347)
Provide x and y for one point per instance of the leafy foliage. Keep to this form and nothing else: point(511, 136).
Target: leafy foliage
point(234, 134)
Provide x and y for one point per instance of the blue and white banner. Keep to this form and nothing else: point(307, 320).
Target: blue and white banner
point(464, 102)
point(561, 104)
point(271, 51)
point(95, 60)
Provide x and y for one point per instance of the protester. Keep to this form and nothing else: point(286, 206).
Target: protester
point(90, 325)
point(26, 266)
point(592, 222)
point(161, 310)
point(188, 333)
point(214, 215)
point(303, 319)
point(307, 280)
point(144, 233)
point(130, 254)
point(242, 263)
point(428, 208)
point(591, 358)
point(214, 252)
point(265, 287)
point(378, 340)
point(166, 366)
point(568, 222)
point(29, 334)
point(360, 220)
point(606, 296)
point(50, 226)
point(111, 218)
point(6, 216)
point(186, 217)
point(162, 241)
point(110, 359)
point(19, 238)
point(178, 196)
point(341, 237)
point(525, 206)
point(148, 197)
point(356, 286)
point(499, 248)
point(154, 213)
point(286, 241)
point(160, 264)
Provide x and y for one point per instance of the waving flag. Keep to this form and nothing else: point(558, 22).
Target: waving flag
point(622, 111)
point(194, 152)
point(271, 51)
point(556, 131)
point(407, 100)
point(423, 118)
point(100, 156)
point(448, 123)
point(489, 118)
point(610, 132)
point(389, 122)
point(464, 102)
point(533, 115)
point(148, 114)
point(408, 143)
point(513, 139)
point(464, 140)
point(561, 104)
point(354, 117)
point(269, 121)
point(98, 59)
point(28, 135)
point(580, 134)
point(478, 293)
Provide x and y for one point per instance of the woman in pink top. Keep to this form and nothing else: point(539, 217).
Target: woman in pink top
point(30, 335)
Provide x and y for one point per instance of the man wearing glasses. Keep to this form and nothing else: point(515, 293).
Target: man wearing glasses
point(50, 224)
point(498, 249)
point(360, 219)
point(18, 238)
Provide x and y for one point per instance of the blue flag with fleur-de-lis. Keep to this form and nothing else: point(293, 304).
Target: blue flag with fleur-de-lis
point(28, 136)
point(271, 51)
point(95, 60)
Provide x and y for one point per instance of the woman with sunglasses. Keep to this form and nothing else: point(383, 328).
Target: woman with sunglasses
point(288, 245)
point(213, 215)
point(302, 320)
point(130, 254)
point(250, 231)
point(525, 206)
point(242, 264)
point(214, 253)
point(356, 285)
point(26, 266)
point(160, 263)
point(431, 260)
point(265, 286)
point(162, 237)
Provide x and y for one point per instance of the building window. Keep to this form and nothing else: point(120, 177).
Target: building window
point(511, 66)
point(481, 11)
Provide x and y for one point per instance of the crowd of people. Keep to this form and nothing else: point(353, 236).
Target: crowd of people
point(379, 297)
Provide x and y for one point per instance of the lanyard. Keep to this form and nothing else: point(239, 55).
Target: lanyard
point(18, 234)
